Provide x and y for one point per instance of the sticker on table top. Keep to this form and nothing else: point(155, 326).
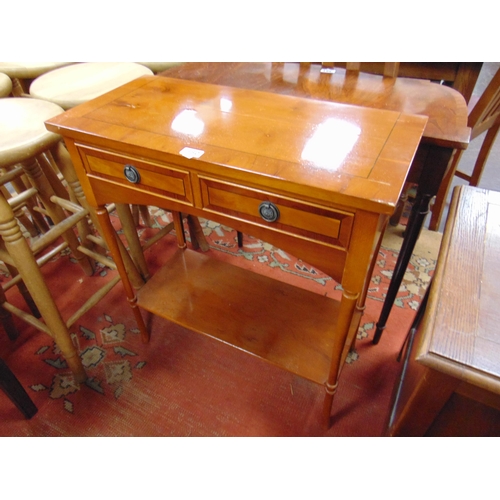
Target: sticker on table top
point(191, 153)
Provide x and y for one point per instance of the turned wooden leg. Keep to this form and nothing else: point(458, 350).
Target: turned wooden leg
point(112, 240)
point(179, 229)
point(56, 213)
point(25, 263)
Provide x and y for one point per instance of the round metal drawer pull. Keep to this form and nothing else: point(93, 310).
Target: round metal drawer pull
point(269, 211)
point(132, 174)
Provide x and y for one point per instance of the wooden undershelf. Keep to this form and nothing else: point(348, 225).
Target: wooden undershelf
point(280, 323)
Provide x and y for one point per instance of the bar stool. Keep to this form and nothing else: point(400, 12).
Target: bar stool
point(22, 73)
point(73, 85)
point(25, 145)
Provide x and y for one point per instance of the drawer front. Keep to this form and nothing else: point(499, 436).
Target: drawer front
point(294, 217)
point(138, 174)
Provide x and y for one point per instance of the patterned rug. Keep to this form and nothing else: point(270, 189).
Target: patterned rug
point(126, 376)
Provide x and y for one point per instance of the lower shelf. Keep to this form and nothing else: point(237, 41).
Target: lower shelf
point(280, 323)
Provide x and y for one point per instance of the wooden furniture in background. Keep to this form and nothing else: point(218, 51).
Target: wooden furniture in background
point(461, 76)
point(452, 358)
point(317, 179)
point(484, 117)
point(389, 69)
point(446, 129)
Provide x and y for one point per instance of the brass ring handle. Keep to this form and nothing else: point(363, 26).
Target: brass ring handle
point(269, 211)
point(132, 174)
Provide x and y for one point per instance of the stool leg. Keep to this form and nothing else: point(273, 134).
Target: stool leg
point(56, 213)
point(15, 391)
point(25, 263)
point(7, 319)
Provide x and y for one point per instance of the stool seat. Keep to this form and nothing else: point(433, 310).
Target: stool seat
point(22, 130)
point(157, 67)
point(5, 85)
point(79, 83)
point(28, 70)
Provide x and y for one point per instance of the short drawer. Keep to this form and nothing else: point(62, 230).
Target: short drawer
point(139, 174)
point(295, 217)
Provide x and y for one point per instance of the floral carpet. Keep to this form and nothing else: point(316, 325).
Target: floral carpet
point(124, 373)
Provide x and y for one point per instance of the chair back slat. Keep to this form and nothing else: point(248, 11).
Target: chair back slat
point(486, 112)
point(389, 69)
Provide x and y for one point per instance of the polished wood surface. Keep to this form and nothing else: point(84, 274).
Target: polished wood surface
point(333, 171)
point(445, 108)
point(457, 347)
point(446, 129)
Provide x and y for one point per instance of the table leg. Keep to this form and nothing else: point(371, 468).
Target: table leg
point(432, 174)
point(112, 241)
point(358, 264)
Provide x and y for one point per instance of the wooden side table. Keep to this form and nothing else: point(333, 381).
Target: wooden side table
point(317, 179)
point(454, 359)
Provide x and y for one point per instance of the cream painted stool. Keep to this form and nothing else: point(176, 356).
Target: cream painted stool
point(73, 85)
point(158, 67)
point(25, 148)
point(21, 73)
point(5, 85)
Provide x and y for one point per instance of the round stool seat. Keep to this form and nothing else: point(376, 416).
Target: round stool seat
point(79, 83)
point(5, 85)
point(22, 130)
point(28, 70)
point(157, 67)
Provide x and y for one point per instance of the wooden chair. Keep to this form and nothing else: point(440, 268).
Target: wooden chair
point(483, 117)
point(15, 391)
point(388, 69)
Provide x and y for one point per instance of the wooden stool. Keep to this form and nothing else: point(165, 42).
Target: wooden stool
point(22, 73)
point(5, 85)
point(24, 146)
point(73, 85)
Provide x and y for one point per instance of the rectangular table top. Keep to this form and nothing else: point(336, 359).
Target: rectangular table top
point(349, 155)
point(462, 337)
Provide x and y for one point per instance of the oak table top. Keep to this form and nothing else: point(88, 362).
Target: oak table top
point(314, 178)
point(462, 336)
point(453, 351)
